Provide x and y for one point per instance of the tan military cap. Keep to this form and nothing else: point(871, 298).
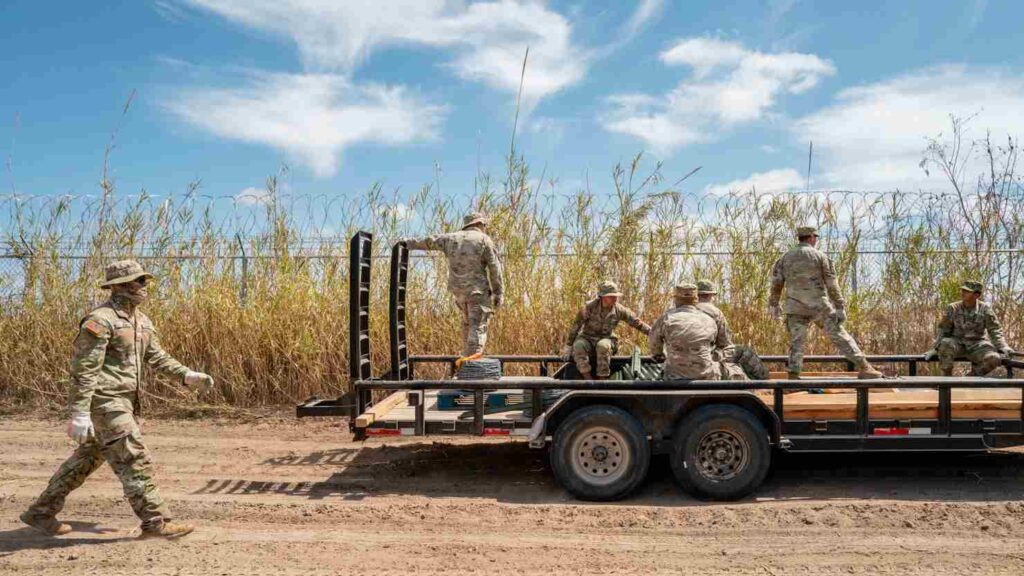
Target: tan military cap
point(474, 218)
point(706, 287)
point(608, 288)
point(972, 286)
point(806, 231)
point(685, 291)
point(122, 272)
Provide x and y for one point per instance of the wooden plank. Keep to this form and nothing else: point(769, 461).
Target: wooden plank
point(906, 404)
point(379, 410)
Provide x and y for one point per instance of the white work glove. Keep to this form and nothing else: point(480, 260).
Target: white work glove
point(839, 315)
point(775, 311)
point(1007, 352)
point(930, 355)
point(199, 382)
point(567, 353)
point(80, 427)
point(497, 299)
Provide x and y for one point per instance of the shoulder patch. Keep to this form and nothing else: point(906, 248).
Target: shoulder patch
point(94, 327)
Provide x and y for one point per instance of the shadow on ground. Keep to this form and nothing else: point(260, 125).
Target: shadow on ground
point(25, 538)
point(511, 472)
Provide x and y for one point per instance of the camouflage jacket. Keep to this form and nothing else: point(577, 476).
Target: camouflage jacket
point(723, 342)
point(686, 336)
point(969, 325)
point(810, 282)
point(594, 321)
point(473, 265)
point(109, 352)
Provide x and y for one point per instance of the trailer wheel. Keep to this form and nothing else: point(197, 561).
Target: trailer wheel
point(720, 452)
point(600, 453)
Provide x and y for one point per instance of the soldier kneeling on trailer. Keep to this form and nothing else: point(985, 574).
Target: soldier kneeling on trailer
point(970, 329)
point(593, 331)
point(725, 350)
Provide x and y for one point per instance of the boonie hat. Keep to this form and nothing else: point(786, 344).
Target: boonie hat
point(706, 287)
point(123, 272)
point(474, 218)
point(806, 231)
point(972, 286)
point(608, 288)
point(685, 291)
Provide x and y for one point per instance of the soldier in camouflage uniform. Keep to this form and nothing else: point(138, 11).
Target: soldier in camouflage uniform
point(705, 297)
point(969, 328)
point(114, 342)
point(474, 276)
point(593, 331)
point(686, 337)
point(812, 297)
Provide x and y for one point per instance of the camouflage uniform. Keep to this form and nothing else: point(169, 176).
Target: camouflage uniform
point(593, 331)
point(974, 333)
point(474, 277)
point(812, 297)
point(687, 337)
point(106, 379)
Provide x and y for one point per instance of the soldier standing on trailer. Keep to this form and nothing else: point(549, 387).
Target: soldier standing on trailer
point(114, 342)
point(970, 328)
point(593, 331)
point(474, 276)
point(812, 297)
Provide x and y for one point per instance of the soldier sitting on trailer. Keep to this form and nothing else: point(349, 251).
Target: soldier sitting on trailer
point(970, 329)
point(685, 337)
point(593, 331)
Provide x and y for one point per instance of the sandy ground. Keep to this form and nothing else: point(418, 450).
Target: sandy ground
point(276, 496)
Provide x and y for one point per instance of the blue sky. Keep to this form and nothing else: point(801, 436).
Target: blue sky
point(349, 93)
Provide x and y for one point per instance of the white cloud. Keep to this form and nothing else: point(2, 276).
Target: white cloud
point(488, 39)
point(312, 118)
point(253, 196)
point(873, 136)
point(773, 181)
point(646, 11)
point(729, 85)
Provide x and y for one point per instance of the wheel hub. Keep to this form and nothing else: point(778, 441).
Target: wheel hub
point(600, 455)
point(722, 455)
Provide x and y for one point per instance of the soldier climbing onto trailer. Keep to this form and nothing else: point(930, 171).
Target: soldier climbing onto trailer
point(725, 351)
point(593, 331)
point(970, 328)
point(812, 297)
point(685, 338)
point(474, 276)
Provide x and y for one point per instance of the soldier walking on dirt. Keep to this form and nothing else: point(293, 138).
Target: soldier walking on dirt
point(593, 331)
point(812, 297)
point(686, 337)
point(114, 342)
point(725, 350)
point(970, 328)
point(474, 276)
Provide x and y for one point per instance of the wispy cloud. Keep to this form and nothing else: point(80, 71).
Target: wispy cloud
point(312, 118)
point(772, 181)
point(729, 85)
point(486, 40)
point(873, 136)
point(645, 12)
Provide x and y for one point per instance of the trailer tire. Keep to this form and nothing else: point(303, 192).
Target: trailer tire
point(600, 453)
point(720, 452)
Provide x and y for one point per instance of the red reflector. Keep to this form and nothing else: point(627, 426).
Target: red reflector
point(891, 432)
point(497, 431)
point(383, 432)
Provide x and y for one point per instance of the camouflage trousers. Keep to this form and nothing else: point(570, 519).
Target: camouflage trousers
point(117, 441)
point(601, 348)
point(798, 325)
point(476, 315)
point(982, 354)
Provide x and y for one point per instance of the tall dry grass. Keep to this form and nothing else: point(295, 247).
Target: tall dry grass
point(253, 303)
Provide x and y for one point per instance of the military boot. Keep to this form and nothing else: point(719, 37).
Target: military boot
point(45, 524)
point(168, 529)
point(868, 372)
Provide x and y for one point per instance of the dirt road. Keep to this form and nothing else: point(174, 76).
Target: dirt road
point(282, 497)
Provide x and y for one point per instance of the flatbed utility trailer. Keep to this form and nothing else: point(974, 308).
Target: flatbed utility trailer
point(720, 435)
